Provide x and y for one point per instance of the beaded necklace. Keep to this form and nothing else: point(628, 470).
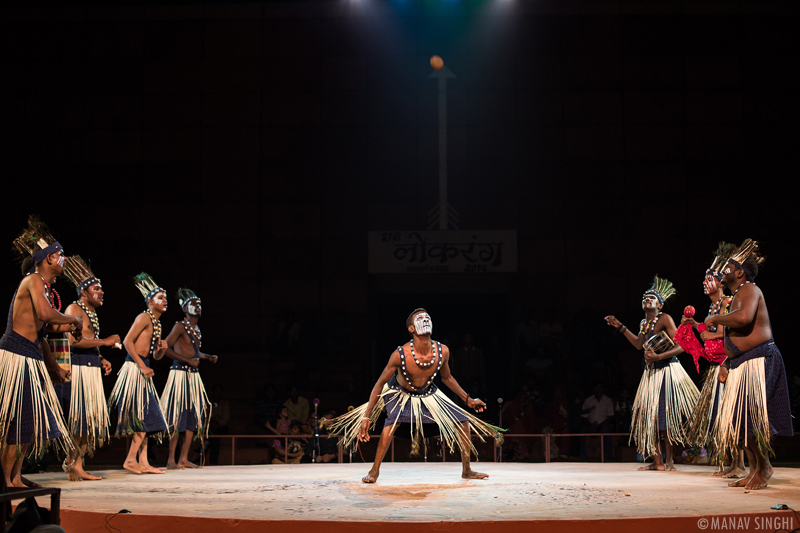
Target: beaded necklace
point(713, 309)
point(645, 329)
point(404, 370)
point(417, 360)
point(50, 292)
point(737, 290)
point(156, 332)
point(92, 318)
point(194, 334)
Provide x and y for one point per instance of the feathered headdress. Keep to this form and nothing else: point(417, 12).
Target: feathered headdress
point(185, 296)
point(79, 273)
point(662, 288)
point(147, 286)
point(747, 250)
point(721, 256)
point(37, 234)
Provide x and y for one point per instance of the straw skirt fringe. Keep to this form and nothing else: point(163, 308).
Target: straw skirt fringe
point(745, 409)
point(185, 393)
point(134, 396)
point(440, 410)
point(703, 422)
point(30, 412)
point(88, 414)
point(681, 396)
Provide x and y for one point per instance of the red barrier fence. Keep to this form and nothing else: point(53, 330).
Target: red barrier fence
point(285, 438)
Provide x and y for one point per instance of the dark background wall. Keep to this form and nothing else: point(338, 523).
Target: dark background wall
point(244, 150)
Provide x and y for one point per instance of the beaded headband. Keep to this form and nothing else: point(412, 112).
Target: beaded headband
point(86, 284)
point(185, 296)
point(79, 273)
point(662, 289)
point(147, 286)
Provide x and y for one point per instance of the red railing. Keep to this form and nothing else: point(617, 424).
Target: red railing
point(285, 439)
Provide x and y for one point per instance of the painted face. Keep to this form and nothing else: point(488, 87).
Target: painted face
point(729, 276)
point(58, 262)
point(649, 301)
point(160, 302)
point(710, 285)
point(95, 295)
point(423, 324)
point(194, 307)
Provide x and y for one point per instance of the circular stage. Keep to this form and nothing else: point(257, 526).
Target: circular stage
point(517, 496)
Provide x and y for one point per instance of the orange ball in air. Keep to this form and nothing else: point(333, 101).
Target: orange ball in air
point(437, 63)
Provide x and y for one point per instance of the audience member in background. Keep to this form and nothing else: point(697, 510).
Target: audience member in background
point(298, 406)
point(328, 450)
point(281, 427)
point(598, 417)
point(294, 453)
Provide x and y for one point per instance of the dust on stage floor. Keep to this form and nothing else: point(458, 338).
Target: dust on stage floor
point(306, 497)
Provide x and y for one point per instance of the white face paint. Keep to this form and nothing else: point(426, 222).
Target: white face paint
point(194, 308)
point(649, 301)
point(160, 301)
point(710, 284)
point(423, 324)
point(60, 261)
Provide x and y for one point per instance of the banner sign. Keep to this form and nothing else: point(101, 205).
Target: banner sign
point(442, 252)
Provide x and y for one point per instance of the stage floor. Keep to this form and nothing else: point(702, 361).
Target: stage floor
point(423, 492)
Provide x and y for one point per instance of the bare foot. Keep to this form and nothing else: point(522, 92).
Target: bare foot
point(736, 473)
point(73, 475)
point(89, 477)
point(469, 474)
point(721, 471)
point(172, 465)
point(760, 479)
point(25, 482)
point(147, 469)
point(15, 483)
point(652, 466)
point(132, 466)
point(370, 478)
point(670, 466)
point(742, 482)
point(187, 464)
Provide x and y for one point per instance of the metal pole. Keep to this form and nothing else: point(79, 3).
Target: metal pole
point(547, 448)
point(442, 153)
point(602, 450)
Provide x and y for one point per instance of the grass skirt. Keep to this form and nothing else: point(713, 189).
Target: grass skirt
point(703, 422)
point(680, 395)
point(88, 414)
point(433, 406)
point(30, 412)
point(134, 397)
point(184, 402)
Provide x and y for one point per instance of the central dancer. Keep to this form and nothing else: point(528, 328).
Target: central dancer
point(406, 389)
